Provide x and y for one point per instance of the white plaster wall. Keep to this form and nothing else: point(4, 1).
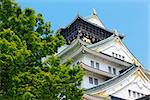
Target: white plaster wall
point(115, 47)
point(125, 94)
point(85, 82)
point(103, 64)
point(117, 50)
point(134, 84)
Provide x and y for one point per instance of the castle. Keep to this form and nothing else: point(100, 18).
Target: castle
point(112, 72)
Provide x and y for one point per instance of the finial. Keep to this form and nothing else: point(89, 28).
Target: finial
point(78, 14)
point(115, 32)
point(94, 11)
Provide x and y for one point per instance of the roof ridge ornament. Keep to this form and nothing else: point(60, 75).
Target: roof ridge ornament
point(115, 31)
point(78, 15)
point(94, 11)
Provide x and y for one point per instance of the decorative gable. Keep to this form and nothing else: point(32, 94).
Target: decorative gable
point(137, 88)
point(115, 48)
point(95, 19)
point(132, 86)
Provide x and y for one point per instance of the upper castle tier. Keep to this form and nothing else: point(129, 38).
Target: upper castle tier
point(90, 29)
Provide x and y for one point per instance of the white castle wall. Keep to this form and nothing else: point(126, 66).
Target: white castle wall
point(103, 64)
point(85, 81)
point(115, 47)
point(138, 85)
point(117, 50)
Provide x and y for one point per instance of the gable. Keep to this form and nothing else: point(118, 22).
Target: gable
point(135, 89)
point(95, 20)
point(134, 86)
point(117, 49)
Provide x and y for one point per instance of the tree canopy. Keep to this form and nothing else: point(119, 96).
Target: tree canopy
point(25, 38)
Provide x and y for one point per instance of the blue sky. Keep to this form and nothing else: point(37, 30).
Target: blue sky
point(130, 17)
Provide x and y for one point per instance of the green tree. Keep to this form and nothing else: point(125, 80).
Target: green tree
point(24, 40)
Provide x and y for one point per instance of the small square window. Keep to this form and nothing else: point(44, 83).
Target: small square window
point(114, 71)
point(119, 56)
point(113, 54)
point(142, 95)
point(134, 94)
point(109, 69)
point(90, 80)
point(129, 93)
point(123, 57)
point(95, 81)
point(97, 65)
point(116, 55)
point(138, 94)
point(92, 63)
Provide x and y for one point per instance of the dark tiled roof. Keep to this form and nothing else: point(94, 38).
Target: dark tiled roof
point(73, 29)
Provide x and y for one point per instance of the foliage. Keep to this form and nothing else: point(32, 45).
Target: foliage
point(24, 39)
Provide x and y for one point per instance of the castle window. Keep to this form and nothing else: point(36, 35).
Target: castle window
point(114, 71)
point(95, 81)
point(92, 63)
point(142, 95)
point(97, 65)
point(129, 93)
point(119, 56)
point(113, 54)
point(123, 57)
point(116, 55)
point(90, 80)
point(138, 95)
point(109, 69)
point(134, 94)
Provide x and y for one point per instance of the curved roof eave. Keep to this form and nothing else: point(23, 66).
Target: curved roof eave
point(102, 41)
point(78, 16)
point(112, 80)
point(105, 56)
point(74, 43)
point(68, 48)
point(99, 54)
point(122, 76)
point(131, 53)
